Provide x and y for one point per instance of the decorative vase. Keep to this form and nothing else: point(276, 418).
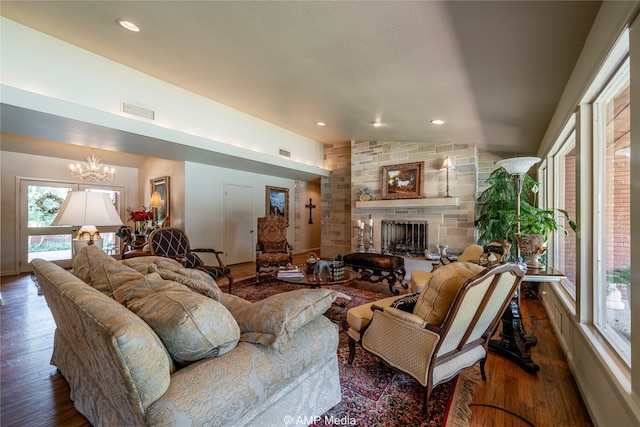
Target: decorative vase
point(338, 270)
point(532, 247)
point(365, 197)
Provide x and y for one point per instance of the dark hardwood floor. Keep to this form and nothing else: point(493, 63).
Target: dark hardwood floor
point(33, 393)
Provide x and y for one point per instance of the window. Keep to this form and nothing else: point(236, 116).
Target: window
point(41, 200)
point(566, 200)
point(612, 134)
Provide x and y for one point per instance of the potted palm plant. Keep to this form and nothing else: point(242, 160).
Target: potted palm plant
point(497, 217)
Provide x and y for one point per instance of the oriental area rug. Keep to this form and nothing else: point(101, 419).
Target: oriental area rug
point(373, 393)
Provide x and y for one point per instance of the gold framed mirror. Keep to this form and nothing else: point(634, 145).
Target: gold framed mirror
point(162, 212)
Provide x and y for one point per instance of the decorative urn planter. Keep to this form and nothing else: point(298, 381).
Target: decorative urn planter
point(532, 247)
point(337, 270)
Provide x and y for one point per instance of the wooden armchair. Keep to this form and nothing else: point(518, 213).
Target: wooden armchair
point(172, 242)
point(272, 248)
point(446, 331)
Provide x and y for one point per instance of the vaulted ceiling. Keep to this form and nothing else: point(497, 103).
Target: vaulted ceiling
point(493, 70)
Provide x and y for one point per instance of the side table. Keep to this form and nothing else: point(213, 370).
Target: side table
point(514, 342)
point(136, 247)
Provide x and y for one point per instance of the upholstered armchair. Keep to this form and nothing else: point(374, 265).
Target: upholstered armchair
point(272, 248)
point(172, 242)
point(436, 334)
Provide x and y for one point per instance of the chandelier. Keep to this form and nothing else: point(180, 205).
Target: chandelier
point(92, 170)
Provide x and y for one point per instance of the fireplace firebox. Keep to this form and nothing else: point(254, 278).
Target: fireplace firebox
point(404, 238)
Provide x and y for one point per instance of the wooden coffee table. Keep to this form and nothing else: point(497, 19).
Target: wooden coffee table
point(307, 280)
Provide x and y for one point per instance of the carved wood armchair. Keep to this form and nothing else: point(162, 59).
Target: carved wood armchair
point(272, 248)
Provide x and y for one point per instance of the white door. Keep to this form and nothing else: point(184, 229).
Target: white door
point(239, 236)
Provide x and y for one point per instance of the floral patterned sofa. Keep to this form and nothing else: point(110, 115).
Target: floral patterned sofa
point(147, 342)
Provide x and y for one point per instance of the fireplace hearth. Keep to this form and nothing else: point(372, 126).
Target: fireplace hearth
point(404, 238)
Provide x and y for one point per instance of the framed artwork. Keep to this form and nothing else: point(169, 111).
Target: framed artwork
point(161, 185)
point(277, 202)
point(403, 181)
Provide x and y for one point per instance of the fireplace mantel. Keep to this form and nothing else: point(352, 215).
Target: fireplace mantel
point(409, 203)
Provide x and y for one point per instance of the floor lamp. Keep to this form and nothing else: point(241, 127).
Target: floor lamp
point(87, 209)
point(518, 167)
point(515, 341)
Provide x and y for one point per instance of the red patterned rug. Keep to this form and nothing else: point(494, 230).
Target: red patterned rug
point(373, 393)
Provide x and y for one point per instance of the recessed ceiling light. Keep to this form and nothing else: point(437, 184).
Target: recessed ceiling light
point(128, 25)
point(437, 122)
point(376, 123)
point(321, 123)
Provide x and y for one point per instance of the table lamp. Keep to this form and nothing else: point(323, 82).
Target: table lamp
point(87, 209)
point(155, 203)
point(447, 164)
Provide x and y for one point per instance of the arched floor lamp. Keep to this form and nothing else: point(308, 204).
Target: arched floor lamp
point(515, 341)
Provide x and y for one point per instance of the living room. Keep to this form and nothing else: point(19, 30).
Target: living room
point(185, 145)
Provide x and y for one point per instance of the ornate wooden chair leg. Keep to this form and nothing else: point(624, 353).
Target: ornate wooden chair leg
point(482, 372)
point(427, 395)
point(230, 282)
point(352, 350)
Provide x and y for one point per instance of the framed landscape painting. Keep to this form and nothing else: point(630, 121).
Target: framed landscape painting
point(403, 181)
point(277, 202)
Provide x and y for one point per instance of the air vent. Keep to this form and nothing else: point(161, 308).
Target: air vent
point(139, 111)
point(285, 153)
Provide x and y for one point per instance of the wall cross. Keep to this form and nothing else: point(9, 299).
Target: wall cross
point(310, 206)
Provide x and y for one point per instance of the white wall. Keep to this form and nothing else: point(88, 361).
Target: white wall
point(204, 200)
point(156, 168)
point(44, 74)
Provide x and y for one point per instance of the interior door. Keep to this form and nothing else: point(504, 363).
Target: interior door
point(239, 238)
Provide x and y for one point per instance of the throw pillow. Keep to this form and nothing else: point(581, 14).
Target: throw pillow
point(196, 283)
point(80, 267)
point(406, 303)
point(274, 320)
point(105, 272)
point(435, 300)
point(191, 326)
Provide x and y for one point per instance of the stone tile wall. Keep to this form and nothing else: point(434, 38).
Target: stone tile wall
point(361, 164)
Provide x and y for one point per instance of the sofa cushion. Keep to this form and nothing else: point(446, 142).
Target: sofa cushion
point(153, 263)
point(435, 300)
point(81, 266)
point(105, 273)
point(191, 326)
point(275, 319)
point(196, 280)
point(203, 285)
